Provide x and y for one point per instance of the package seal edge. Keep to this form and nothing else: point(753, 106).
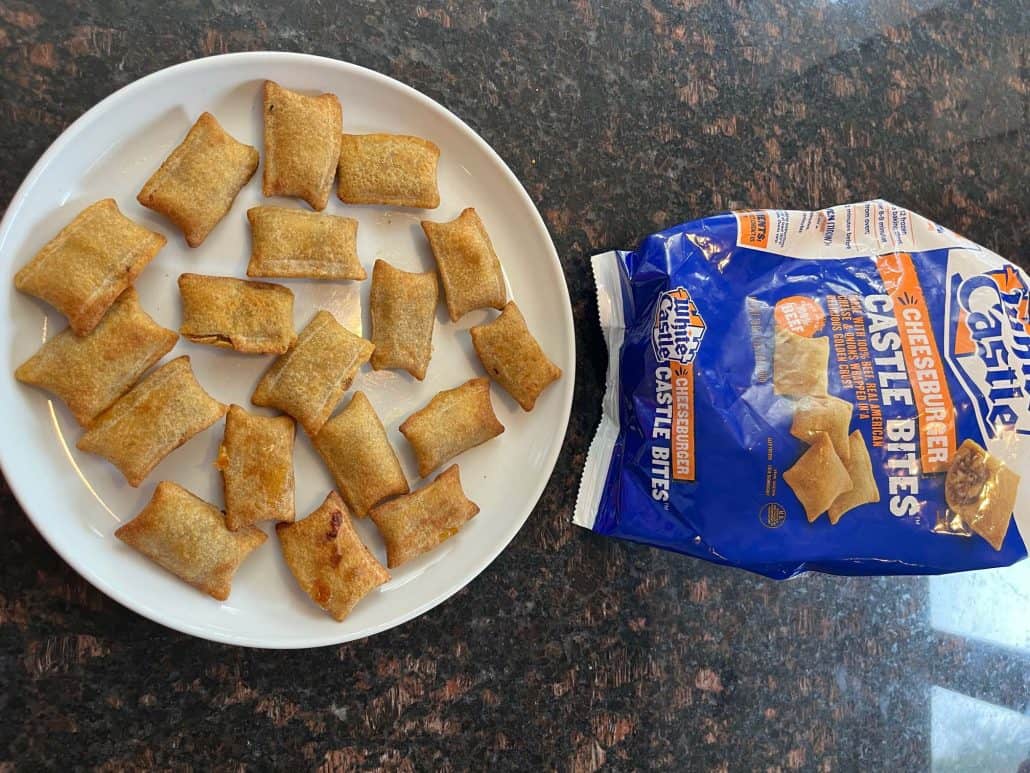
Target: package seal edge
point(613, 323)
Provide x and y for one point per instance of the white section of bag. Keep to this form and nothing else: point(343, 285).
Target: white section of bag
point(865, 229)
point(613, 324)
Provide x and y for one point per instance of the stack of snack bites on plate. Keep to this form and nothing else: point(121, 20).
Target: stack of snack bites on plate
point(134, 416)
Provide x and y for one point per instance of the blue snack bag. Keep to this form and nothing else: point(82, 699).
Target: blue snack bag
point(844, 391)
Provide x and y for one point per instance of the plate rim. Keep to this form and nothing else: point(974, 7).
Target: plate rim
point(20, 489)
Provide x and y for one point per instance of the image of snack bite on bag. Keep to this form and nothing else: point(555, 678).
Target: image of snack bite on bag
point(863, 489)
point(981, 489)
point(818, 477)
point(769, 367)
point(799, 364)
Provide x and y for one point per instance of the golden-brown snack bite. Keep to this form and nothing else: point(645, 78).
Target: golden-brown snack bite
point(251, 317)
point(393, 169)
point(982, 490)
point(824, 414)
point(256, 460)
point(800, 364)
point(302, 144)
point(415, 524)
point(403, 310)
point(198, 182)
point(330, 562)
point(469, 268)
point(155, 417)
point(513, 357)
point(454, 421)
point(297, 244)
point(355, 448)
point(82, 270)
point(863, 484)
point(188, 537)
point(92, 371)
point(308, 381)
point(818, 477)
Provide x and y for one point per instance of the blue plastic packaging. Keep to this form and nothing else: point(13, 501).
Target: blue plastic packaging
point(927, 338)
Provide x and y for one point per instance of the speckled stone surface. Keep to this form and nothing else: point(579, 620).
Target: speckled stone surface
point(571, 651)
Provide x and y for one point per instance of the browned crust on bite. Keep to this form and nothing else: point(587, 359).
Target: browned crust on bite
point(182, 533)
point(83, 270)
point(454, 421)
point(416, 523)
point(982, 489)
point(298, 244)
point(354, 446)
point(155, 417)
point(308, 381)
point(302, 144)
point(388, 169)
point(402, 306)
point(328, 559)
point(469, 268)
point(92, 371)
point(819, 477)
point(824, 414)
point(250, 317)
point(863, 484)
point(256, 461)
point(513, 357)
point(800, 364)
point(197, 184)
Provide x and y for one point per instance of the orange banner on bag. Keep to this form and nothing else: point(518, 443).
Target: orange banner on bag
point(936, 412)
point(682, 442)
point(754, 229)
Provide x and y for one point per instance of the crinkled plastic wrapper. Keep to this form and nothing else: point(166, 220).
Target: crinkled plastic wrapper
point(843, 391)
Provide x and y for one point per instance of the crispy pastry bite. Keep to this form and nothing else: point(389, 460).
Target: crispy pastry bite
point(800, 364)
point(302, 144)
point(863, 484)
point(513, 357)
point(297, 244)
point(415, 524)
point(198, 182)
point(155, 417)
point(469, 268)
point(454, 421)
point(824, 414)
point(982, 490)
point(82, 270)
point(818, 477)
point(256, 460)
point(308, 381)
point(92, 371)
point(188, 537)
point(251, 317)
point(403, 310)
point(328, 559)
point(393, 169)
point(355, 448)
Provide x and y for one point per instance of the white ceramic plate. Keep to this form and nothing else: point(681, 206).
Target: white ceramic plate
point(77, 500)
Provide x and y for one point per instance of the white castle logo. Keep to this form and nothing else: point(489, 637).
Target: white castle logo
point(990, 344)
point(678, 327)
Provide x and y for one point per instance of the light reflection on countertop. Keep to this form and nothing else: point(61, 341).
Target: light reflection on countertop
point(992, 605)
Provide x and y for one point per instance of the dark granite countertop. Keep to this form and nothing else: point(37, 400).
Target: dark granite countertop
point(572, 651)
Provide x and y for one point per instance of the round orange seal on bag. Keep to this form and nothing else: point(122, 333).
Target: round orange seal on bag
point(800, 315)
